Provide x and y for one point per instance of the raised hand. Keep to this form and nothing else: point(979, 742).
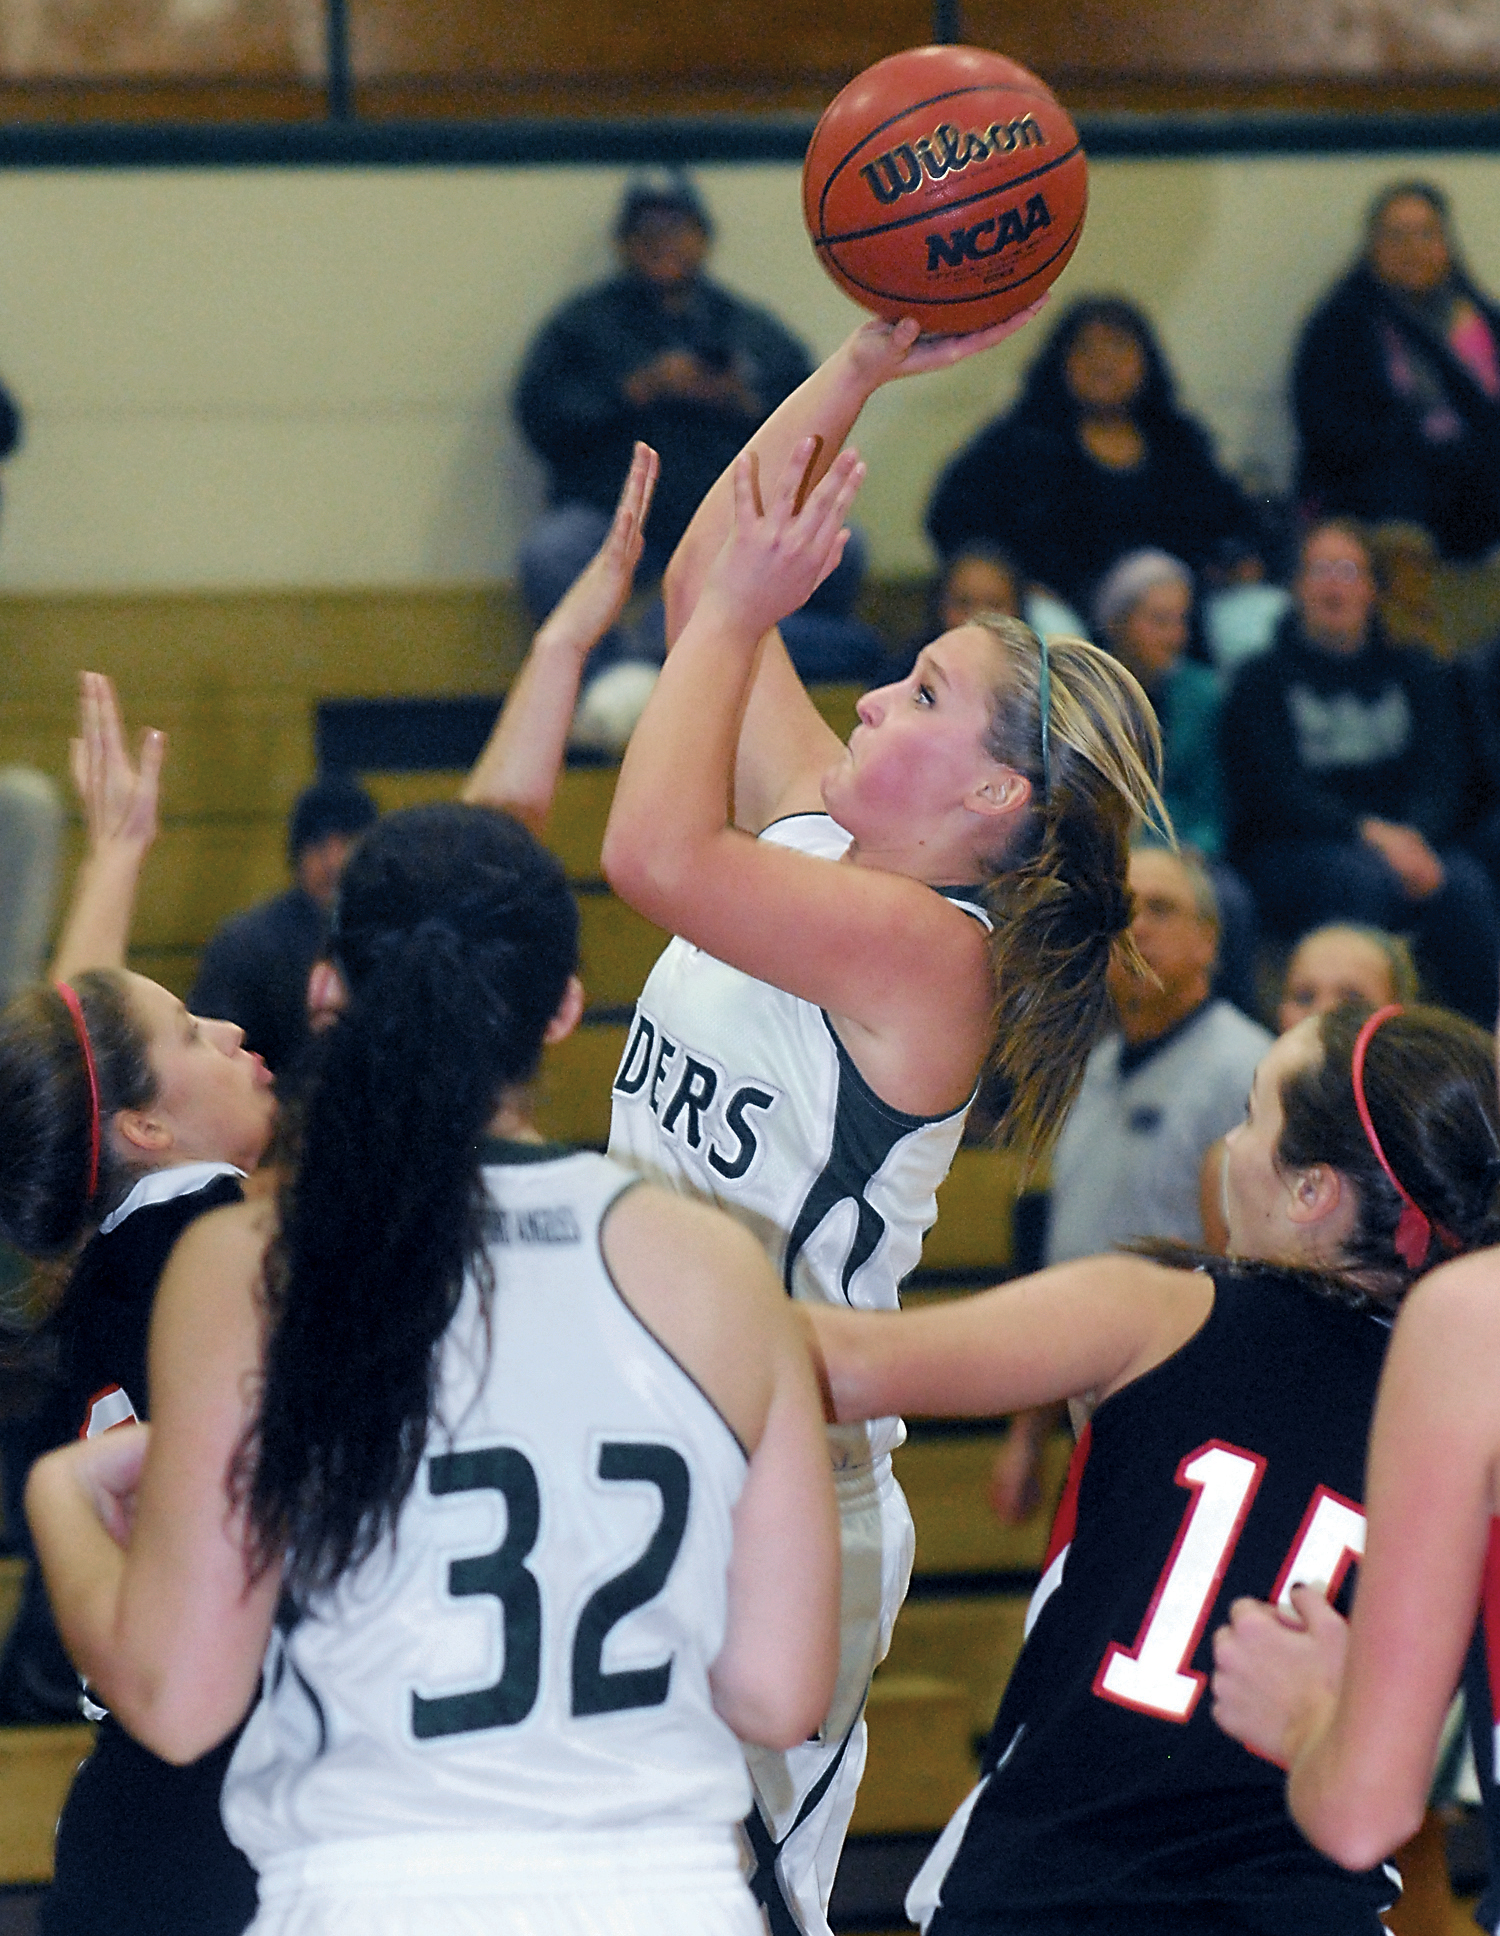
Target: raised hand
point(119, 798)
point(776, 557)
point(883, 351)
point(596, 597)
point(119, 807)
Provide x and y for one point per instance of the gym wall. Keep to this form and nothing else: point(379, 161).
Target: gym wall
point(243, 378)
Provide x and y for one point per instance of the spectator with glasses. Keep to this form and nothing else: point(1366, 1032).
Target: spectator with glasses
point(1344, 784)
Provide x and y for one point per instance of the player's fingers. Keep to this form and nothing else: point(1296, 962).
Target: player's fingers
point(807, 475)
point(651, 470)
point(833, 495)
point(940, 350)
point(635, 494)
point(111, 732)
point(746, 479)
point(1310, 1603)
point(834, 555)
point(153, 752)
point(791, 486)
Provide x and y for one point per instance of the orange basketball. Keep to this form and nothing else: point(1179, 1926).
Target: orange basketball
point(945, 183)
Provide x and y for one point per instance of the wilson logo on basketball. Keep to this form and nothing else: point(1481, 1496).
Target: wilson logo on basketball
point(986, 238)
point(946, 150)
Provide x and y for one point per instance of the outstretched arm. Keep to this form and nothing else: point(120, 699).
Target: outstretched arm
point(784, 745)
point(1084, 1327)
point(1357, 1717)
point(150, 1586)
point(523, 756)
point(119, 810)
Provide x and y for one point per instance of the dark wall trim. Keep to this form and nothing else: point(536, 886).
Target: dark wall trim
point(695, 139)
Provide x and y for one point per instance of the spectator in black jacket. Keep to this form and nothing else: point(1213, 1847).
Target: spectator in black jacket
point(1094, 460)
point(658, 353)
point(255, 970)
point(1345, 766)
point(1396, 383)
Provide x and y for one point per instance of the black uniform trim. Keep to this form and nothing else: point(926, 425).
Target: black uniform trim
point(765, 1881)
point(865, 1131)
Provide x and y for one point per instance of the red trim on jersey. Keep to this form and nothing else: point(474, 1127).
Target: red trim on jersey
point(108, 1391)
point(1067, 1506)
point(1489, 1609)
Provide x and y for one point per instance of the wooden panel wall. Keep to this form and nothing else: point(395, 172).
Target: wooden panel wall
point(234, 681)
point(247, 59)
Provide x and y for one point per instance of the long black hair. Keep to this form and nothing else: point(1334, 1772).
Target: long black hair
point(1044, 388)
point(456, 935)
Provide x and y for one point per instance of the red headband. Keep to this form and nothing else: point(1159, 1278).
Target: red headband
point(1415, 1228)
point(75, 1009)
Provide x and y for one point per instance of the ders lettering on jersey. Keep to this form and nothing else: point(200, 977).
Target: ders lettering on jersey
point(693, 1100)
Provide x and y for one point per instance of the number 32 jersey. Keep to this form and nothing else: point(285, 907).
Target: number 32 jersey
point(532, 1653)
point(1234, 1467)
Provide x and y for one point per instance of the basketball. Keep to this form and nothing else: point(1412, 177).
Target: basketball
point(945, 183)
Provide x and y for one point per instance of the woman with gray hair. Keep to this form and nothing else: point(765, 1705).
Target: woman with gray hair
point(1142, 610)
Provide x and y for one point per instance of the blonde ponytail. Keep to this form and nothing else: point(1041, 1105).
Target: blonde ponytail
point(1060, 898)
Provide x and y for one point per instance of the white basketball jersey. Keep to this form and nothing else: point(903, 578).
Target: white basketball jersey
point(532, 1651)
point(743, 1093)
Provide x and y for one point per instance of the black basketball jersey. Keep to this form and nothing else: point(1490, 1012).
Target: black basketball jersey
point(141, 1849)
point(1235, 1467)
point(1481, 1686)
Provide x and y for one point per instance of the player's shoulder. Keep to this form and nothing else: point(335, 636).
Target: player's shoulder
point(687, 1240)
point(704, 1288)
point(1463, 1293)
point(227, 1243)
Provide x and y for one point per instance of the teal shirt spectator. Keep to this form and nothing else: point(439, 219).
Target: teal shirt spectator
point(1187, 703)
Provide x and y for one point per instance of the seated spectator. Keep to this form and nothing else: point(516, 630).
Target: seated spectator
point(1240, 608)
point(1404, 560)
point(1478, 676)
point(255, 970)
point(659, 354)
point(1141, 613)
point(981, 577)
point(1344, 962)
point(1157, 1092)
point(1396, 383)
point(1095, 459)
point(1345, 772)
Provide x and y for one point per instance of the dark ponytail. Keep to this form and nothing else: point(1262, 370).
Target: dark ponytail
point(1429, 1081)
point(46, 1206)
point(1060, 898)
point(456, 936)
